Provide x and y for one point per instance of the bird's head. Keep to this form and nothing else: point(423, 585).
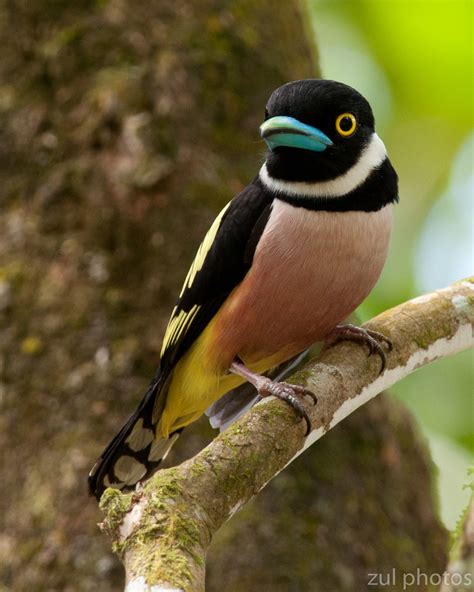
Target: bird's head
point(318, 131)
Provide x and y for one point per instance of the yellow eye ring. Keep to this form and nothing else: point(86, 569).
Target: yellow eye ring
point(346, 124)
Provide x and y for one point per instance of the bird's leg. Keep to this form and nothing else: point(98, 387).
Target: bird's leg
point(373, 339)
point(267, 387)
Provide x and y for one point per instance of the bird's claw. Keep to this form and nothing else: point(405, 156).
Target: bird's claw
point(380, 337)
point(303, 391)
point(289, 393)
point(373, 340)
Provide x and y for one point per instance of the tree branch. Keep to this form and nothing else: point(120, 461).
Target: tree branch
point(162, 532)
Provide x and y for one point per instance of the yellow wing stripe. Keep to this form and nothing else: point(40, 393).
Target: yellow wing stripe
point(203, 250)
point(179, 322)
point(177, 326)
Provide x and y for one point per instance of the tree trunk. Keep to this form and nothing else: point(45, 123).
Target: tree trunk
point(126, 126)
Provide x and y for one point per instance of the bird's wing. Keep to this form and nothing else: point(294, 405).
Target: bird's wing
point(222, 260)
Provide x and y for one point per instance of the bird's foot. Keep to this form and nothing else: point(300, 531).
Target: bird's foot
point(373, 339)
point(289, 393)
point(266, 387)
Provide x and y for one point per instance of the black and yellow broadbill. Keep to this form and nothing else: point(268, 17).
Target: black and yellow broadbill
point(283, 264)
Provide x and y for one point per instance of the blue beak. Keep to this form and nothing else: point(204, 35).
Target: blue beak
point(288, 131)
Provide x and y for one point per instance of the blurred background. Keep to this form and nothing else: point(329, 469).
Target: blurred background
point(124, 128)
point(414, 62)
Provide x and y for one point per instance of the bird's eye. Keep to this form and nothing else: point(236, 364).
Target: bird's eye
point(346, 124)
point(266, 113)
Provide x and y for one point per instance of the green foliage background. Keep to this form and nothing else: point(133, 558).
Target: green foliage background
point(414, 62)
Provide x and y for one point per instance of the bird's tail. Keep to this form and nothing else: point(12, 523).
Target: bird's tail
point(135, 453)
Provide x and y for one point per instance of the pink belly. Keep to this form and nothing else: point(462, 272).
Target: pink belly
point(310, 271)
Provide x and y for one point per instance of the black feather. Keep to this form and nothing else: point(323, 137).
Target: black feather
point(225, 266)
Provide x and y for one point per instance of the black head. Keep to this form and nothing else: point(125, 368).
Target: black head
point(321, 129)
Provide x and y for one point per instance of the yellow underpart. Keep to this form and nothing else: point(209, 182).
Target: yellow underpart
point(199, 380)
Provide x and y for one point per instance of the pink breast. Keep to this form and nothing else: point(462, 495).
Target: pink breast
point(311, 269)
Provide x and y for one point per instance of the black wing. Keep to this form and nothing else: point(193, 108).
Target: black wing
point(222, 261)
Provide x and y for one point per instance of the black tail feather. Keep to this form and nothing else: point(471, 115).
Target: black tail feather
point(134, 453)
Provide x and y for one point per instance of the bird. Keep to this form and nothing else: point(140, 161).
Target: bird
point(282, 266)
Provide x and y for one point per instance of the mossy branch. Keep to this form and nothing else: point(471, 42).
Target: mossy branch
point(163, 531)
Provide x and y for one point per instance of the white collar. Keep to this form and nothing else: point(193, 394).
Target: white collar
point(371, 157)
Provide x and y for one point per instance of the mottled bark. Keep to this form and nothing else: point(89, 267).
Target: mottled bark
point(162, 532)
point(124, 127)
